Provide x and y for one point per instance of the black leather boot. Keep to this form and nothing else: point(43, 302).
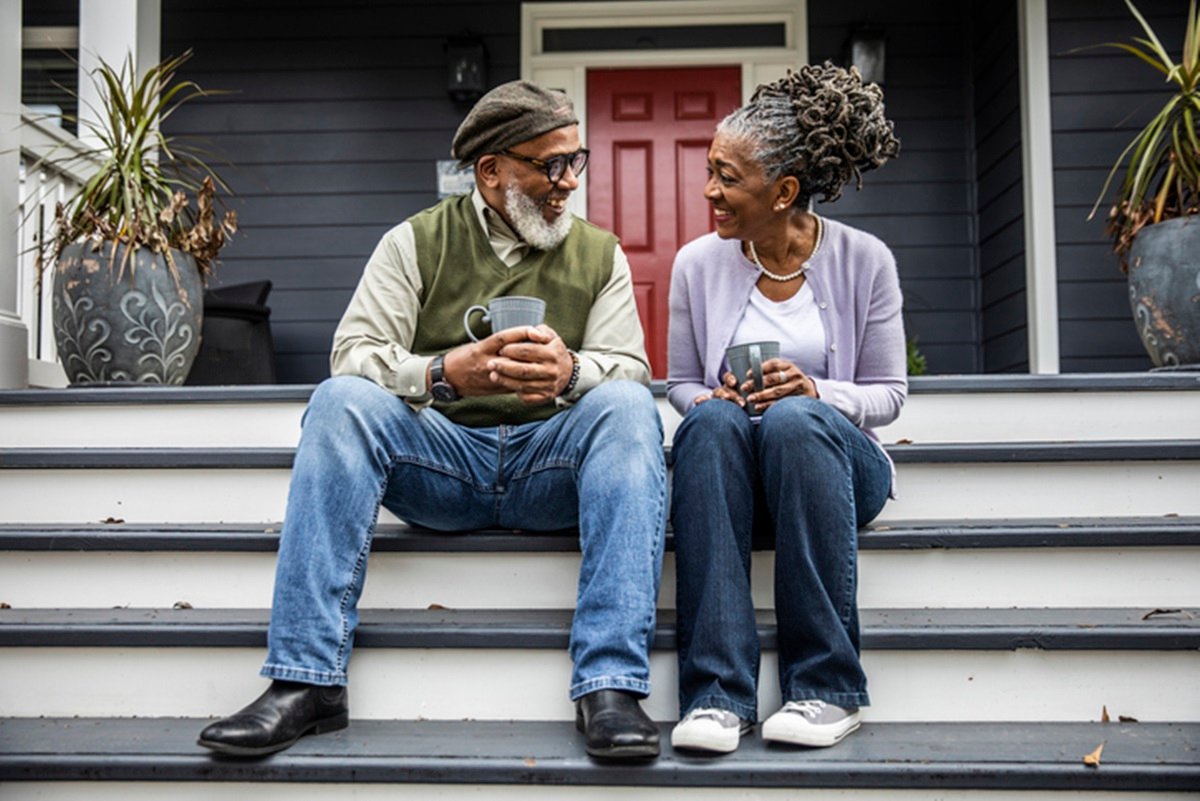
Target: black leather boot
point(279, 717)
point(615, 727)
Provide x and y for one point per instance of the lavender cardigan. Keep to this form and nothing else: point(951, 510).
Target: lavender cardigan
point(855, 285)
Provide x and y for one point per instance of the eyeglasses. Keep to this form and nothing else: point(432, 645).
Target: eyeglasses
point(555, 167)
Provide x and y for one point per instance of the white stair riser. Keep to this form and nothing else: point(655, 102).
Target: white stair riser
point(926, 491)
point(1049, 577)
point(281, 791)
point(1046, 416)
point(187, 425)
point(968, 417)
point(503, 684)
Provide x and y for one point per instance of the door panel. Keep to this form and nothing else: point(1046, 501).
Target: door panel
point(649, 131)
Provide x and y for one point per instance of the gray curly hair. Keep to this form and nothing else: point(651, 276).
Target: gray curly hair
point(821, 125)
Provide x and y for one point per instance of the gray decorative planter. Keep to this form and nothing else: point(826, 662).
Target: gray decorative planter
point(1164, 290)
point(141, 329)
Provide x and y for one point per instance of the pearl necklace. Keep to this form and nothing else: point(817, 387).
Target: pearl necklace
point(803, 267)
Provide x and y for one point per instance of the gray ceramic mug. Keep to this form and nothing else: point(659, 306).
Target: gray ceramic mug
point(507, 312)
point(748, 357)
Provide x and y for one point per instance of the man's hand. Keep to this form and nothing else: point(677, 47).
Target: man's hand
point(532, 362)
point(537, 367)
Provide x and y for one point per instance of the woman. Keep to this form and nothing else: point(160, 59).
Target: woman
point(809, 469)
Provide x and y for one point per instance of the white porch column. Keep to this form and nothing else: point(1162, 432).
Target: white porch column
point(112, 31)
point(1041, 270)
point(14, 336)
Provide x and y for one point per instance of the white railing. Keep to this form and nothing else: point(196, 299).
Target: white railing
point(43, 184)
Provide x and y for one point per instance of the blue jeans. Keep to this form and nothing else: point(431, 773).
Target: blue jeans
point(807, 473)
point(598, 465)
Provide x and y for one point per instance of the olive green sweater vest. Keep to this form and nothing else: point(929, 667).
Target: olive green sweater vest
point(459, 269)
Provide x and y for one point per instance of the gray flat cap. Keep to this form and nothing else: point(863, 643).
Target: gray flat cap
point(512, 113)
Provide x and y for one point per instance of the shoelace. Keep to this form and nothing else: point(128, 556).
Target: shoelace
point(809, 709)
point(712, 714)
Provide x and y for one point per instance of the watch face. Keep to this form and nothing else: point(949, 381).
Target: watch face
point(443, 392)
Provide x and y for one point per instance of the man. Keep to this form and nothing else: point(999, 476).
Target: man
point(536, 428)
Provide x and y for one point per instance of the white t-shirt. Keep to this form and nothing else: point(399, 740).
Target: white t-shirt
point(795, 323)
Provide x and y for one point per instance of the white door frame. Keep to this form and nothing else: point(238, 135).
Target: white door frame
point(568, 71)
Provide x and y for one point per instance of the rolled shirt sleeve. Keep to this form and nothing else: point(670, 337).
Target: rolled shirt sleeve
point(378, 327)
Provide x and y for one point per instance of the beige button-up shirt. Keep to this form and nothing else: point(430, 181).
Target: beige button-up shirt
point(377, 330)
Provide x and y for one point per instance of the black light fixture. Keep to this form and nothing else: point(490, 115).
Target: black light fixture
point(866, 49)
point(466, 64)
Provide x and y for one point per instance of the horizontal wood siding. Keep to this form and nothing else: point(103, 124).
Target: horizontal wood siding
point(922, 203)
point(337, 116)
point(1099, 99)
point(339, 112)
point(999, 191)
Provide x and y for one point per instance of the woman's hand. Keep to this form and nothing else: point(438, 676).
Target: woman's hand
point(727, 391)
point(781, 378)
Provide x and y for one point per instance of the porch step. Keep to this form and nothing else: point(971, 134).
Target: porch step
point(882, 629)
point(1137, 757)
point(922, 665)
point(939, 409)
point(1026, 581)
point(1060, 562)
point(959, 481)
point(1060, 532)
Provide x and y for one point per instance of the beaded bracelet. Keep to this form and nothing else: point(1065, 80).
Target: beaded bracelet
point(574, 379)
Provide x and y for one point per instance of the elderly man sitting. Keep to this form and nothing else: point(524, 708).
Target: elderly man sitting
point(535, 427)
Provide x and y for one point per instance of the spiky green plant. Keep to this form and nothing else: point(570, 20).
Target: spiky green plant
point(1162, 177)
point(139, 193)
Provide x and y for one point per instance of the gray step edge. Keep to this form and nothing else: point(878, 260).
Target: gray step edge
point(1132, 532)
point(908, 453)
point(1002, 756)
point(1050, 629)
point(1165, 380)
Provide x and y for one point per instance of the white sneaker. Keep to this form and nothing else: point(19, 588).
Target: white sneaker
point(812, 723)
point(709, 730)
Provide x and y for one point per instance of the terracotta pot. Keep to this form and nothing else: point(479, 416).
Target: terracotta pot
point(1164, 291)
point(140, 328)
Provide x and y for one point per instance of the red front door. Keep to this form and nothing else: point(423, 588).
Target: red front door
point(649, 132)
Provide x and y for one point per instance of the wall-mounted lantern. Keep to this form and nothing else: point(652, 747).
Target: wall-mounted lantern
point(866, 49)
point(466, 62)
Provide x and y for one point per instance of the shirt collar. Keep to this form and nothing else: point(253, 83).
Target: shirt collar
point(496, 226)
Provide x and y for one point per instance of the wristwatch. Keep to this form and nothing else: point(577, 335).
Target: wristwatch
point(438, 385)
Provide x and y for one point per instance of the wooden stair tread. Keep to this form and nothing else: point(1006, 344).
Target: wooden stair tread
point(882, 629)
point(1044, 756)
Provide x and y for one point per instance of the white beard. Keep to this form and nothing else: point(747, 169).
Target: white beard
point(527, 219)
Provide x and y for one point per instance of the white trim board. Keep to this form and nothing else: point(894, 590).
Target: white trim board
point(1037, 164)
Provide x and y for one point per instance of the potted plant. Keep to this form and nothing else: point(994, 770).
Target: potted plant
point(129, 252)
point(1154, 220)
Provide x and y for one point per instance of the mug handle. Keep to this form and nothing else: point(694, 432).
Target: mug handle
point(467, 320)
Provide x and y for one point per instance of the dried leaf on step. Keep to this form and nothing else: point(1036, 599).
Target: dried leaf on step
point(1156, 612)
point(112, 521)
point(436, 606)
point(904, 441)
point(182, 605)
point(1126, 719)
point(1092, 760)
point(1104, 718)
point(5, 605)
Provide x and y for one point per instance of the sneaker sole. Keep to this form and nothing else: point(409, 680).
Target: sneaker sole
point(809, 737)
point(721, 744)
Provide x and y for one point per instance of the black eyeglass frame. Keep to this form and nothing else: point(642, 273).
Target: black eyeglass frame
point(555, 164)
